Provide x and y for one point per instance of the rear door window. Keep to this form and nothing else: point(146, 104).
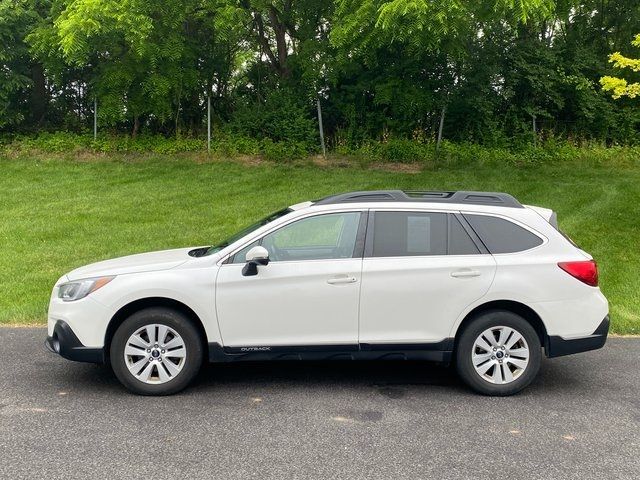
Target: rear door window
point(502, 236)
point(406, 234)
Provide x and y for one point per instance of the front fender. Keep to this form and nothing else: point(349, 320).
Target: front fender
point(194, 288)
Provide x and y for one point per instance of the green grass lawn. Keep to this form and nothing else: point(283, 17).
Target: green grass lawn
point(57, 214)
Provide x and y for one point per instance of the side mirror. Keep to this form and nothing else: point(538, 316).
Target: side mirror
point(258, 255)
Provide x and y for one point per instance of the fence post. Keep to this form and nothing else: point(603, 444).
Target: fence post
point(95, 118)
point(208, 124)
point(324, 151)
point(535, 135)
point(442, 114)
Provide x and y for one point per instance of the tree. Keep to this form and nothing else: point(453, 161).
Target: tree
point(483, 69)
point(619, 87)
point(432, 39)
point(149, 63)
point(23, 94)
point(280, 29)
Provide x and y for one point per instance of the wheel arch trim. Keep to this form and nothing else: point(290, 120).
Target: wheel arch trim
point(514, 306)
point(139, 304)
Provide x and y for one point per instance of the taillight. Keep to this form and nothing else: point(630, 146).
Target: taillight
point(586, 271)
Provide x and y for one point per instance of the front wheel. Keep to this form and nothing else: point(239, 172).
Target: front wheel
point(498, 353)
point(156, 351)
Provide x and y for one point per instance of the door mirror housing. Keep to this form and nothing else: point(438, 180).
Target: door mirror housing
point(258, 255)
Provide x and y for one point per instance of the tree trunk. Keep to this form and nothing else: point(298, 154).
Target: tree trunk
point(136, 126)
point(38, 98)
point(281, 42)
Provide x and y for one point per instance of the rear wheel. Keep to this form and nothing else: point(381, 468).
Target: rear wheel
point(156, 351)
point(498, 353)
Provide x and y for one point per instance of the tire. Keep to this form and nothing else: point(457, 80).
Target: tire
point(182, 356)
point(521, 359)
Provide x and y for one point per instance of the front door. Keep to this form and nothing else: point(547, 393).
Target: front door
point(308, 293)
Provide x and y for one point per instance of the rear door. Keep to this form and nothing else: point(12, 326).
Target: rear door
point(420, 271)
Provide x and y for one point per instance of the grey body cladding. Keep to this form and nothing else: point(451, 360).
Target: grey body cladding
point(433, 352)
point(440, 352)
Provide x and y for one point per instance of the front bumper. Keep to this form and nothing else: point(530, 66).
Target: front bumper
point(65, 343)
point(557, 346)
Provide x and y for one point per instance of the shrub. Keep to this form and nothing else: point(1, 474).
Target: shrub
point(404, 151)
point(282, 117)
point(279, 151)
point(231, 144)
point(57, 142)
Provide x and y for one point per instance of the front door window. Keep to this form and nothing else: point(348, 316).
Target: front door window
point(321, 237)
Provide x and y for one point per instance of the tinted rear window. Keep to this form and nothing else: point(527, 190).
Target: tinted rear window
point(502, 236)
point(460, 242)
point(404, 234)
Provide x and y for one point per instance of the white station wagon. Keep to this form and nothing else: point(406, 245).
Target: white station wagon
point(470, 278)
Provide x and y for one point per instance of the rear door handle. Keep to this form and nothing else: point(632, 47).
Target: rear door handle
point(467, 272)
point(341, 280)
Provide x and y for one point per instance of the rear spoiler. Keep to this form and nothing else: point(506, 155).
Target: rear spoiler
point(546, 213)
point(551, 217)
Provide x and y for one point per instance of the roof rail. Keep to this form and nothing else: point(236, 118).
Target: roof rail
point(462, 197)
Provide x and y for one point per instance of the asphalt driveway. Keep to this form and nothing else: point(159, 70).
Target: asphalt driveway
point(58, 419)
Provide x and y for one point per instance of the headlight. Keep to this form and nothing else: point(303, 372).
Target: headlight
point(71, 291)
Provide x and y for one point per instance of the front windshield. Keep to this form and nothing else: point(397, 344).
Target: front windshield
point(247, 231)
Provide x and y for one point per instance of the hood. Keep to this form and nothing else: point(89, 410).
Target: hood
point(143, 262)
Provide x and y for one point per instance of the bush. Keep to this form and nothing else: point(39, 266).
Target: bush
point(65, 142)
point(147, 143)
point(58, 142)
point(223, 144)
point(405, 151)
point(228, 144)
point(278, 151)
point(283, 117)
point(410, 151)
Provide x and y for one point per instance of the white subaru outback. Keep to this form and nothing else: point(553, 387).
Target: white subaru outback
point(472, 278)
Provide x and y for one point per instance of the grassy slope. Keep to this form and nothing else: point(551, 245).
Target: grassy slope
point(59, 214)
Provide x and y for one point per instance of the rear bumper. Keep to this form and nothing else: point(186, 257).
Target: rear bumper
point(65, 343)
point(557, 346)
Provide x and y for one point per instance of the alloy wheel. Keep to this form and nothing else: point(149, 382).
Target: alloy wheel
point(155, 354)
point(500, 355)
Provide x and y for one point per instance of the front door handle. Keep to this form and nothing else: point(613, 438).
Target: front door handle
point(341, 280)
point(465, 273)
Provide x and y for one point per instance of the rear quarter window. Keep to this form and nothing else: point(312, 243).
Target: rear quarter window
point(502, 236)
point(460, 243)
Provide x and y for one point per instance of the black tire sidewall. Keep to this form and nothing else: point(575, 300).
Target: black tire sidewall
point(471, 332)
point(161, 316)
